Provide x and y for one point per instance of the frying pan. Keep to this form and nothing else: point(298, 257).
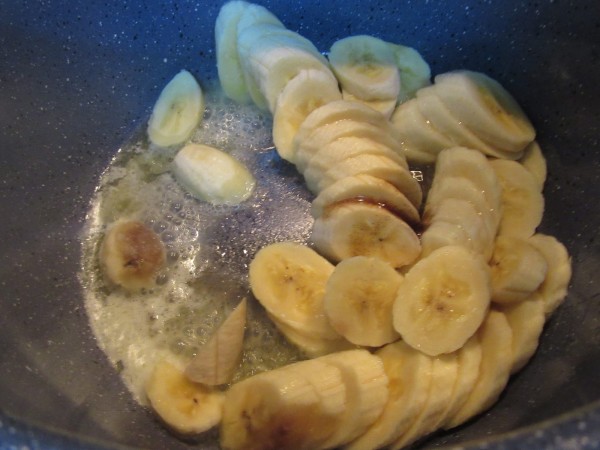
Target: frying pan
point(77, 78)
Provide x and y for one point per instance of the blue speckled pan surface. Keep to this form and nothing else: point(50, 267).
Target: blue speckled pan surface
point(78, 77)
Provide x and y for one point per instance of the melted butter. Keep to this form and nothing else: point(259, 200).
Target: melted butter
point(208, 248)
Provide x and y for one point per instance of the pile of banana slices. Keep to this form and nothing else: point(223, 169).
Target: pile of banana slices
point(413, 315)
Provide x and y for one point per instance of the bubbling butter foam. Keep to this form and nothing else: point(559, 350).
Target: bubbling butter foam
point(208, 248)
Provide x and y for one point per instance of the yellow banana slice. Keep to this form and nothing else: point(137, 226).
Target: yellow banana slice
point(278, 409)
point(363, 229)
point(216, 361)
point(522, 201)
point(177, 112)
point(486, 108)
point(367, 164)
point(366, 67)
point(132, 255)
point(307, 91)
point(289, 280)
point(469, 360)
point(495, 338)
point(365, 188)
point(366, 393)
point(526, 320)
point(442, 234)
point(358, 300)
point(444, 371)
point(212, 175)
point(409, 373)
point(414, 71)
point(517, 270)
point(533, 160)
point(442, 301)
point(185, 406)
point(553, 289)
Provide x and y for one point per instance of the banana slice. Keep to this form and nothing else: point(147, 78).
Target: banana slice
point(414, 71)
point(444, 372)
point(443, 234)
point(366, 67)
point(522, 201)
point(495, 337)
point(444, 187)
point(272, 60)
point(410, 373)
point(443, 119)
point(311, 346)
point(517, 270)
point(216, 361)
point(132, 255)
point(469, 360)
point(366, 384)
point(212, 175)
point(486, 108)
point(365, 229)
point(385, 107)
point(365, 188)
point(304, 93)
point(553, 289)
point(186, 407)
point(177, 112)
point(464, 215)
point(472, 165)
point(289, 279)
point(533, 160)
point(368, 164)
point(228, 63)
point(442, 301)
point(358, 300)
point(348, 147)
point(526, 320)
point(278, 409)
point(422, 141)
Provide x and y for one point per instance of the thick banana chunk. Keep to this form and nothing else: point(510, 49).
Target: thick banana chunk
point(414, 71)
point(486, 108)
point(216, 361)
point(360, 228)
point(522, 201)
point(526, 319)
point(185, 406)
point(442, 301)
point(366, 67)
point(366, 385)
point(358, 300)
point(279, 409)
point(132, 255)
point(212, 175)
point(365, 188)
point(410, 379)
point(553, 289)
point(289, 280)
point(444, 371)
point(306, 92)
point(517, 269)
point(533, 160)
point(228, 63)
point(177, 111)
point(495, 338)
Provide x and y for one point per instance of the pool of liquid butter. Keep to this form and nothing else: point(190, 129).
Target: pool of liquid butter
point(208, 248)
